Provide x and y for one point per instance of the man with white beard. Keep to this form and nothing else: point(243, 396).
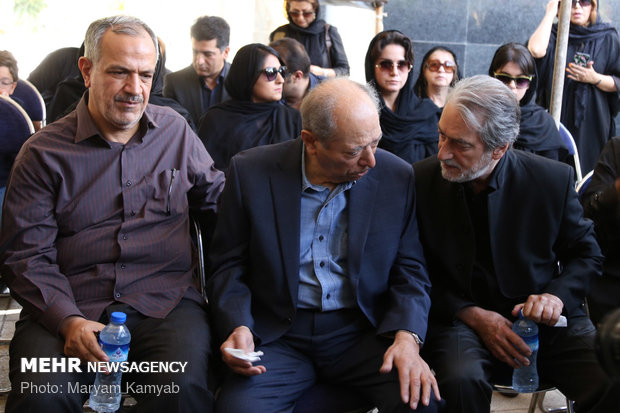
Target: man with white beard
point(495, 222)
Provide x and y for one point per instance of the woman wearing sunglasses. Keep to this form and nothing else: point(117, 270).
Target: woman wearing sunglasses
point(408, 123)
point(254, 115)
point(590, 99)
point(514, 66)
point(438, 73)
point(321, 40)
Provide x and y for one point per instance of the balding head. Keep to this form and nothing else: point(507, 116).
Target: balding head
point(334, 104)
point(341, 131)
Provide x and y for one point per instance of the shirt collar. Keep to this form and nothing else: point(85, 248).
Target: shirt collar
point(220, 78)
point(87, 129)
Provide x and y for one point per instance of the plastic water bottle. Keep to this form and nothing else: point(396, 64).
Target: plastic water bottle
point(105, 395)
point(525, 378)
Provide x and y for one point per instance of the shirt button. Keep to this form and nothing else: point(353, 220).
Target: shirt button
point(322, 264)
point(128, 183)
point(117, 295)
point(132, 213)
point(328, 296)
point(321, 238)
point(122, 266)
point(125, 237)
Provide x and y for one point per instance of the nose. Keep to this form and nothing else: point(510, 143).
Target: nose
point(441, 68)
point(133, 84)
point(368, 158)
point(279, 78)
point(444, 152)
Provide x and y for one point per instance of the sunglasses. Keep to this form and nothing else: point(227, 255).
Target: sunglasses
point(522, 82)
point(582, 3)
point(434, 65)
point(272, 72)
point(296, 13)
point(388, 65)
point(5, 81)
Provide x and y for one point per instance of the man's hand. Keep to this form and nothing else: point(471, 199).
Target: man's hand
point(497, 335)
point(241, 338)
point(541, 308)
point(80, 340)
point(413, 372)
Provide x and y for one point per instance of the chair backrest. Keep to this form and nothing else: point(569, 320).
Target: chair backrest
point(33, 101)
point(15, 126)
point(582, 185)
point(572, 149)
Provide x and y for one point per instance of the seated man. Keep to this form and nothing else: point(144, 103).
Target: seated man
point(299, 80)
point(494, 223)
point(317, 263)
point(201, 85)
point(96, 220)
point(601, 203)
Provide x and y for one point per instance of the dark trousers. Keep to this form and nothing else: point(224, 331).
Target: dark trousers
point(182, 336)
point(338, 347)
point(566, 359)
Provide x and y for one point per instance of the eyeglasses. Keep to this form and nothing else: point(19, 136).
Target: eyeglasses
point(272, 72)
point(434, 65)
point(5, 81)
point(297, 13)
point(582, 3)
point(522, 82)
point(388, 65)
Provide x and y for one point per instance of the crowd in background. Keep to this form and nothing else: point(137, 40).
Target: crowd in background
point(255, 100)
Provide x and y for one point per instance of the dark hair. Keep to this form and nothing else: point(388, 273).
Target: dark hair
point(7, 60)
point(294, 55)
point(209, 28)
point(245, 69)
point(378, 43)
point(521, 56)
point(421, 84)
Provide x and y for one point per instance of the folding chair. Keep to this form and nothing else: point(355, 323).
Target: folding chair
point(572, 149)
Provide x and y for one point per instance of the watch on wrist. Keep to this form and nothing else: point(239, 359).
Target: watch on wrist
point(414, 335)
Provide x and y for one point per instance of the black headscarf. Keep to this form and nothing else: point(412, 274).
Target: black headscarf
point(239, 123)
point(409, 132)
point(245, 70)
point(585, 39)
point(538, 132)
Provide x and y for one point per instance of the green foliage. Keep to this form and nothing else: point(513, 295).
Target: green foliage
point(28, 8)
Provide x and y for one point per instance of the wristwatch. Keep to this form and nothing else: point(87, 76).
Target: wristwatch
point(414, 335)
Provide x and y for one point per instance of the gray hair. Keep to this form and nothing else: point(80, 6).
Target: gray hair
point(489, 107)
point(131, 26)
point(317, 108)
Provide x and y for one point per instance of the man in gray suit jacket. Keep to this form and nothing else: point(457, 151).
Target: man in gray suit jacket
point(503, 231)
point(201, 84)
point(316, 263)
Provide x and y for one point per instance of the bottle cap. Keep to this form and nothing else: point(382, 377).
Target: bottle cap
point(118, 317)
point(521, 316)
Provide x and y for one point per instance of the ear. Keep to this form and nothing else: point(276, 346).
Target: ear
point(13, 87)
point(225, 52)
point(499, 152)
point(86, 67)
point(297, 75)
point(310, 141)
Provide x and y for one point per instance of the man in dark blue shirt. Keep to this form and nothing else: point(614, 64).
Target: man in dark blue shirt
point(201, 84)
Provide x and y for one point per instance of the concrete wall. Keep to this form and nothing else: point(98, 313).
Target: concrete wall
point(474, 29)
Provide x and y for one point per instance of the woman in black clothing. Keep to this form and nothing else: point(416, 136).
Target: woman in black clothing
point(254, 115)
point(408, 123)
point(514, 66)
point(590, 99)
point(321, 40)
point(439, 71)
